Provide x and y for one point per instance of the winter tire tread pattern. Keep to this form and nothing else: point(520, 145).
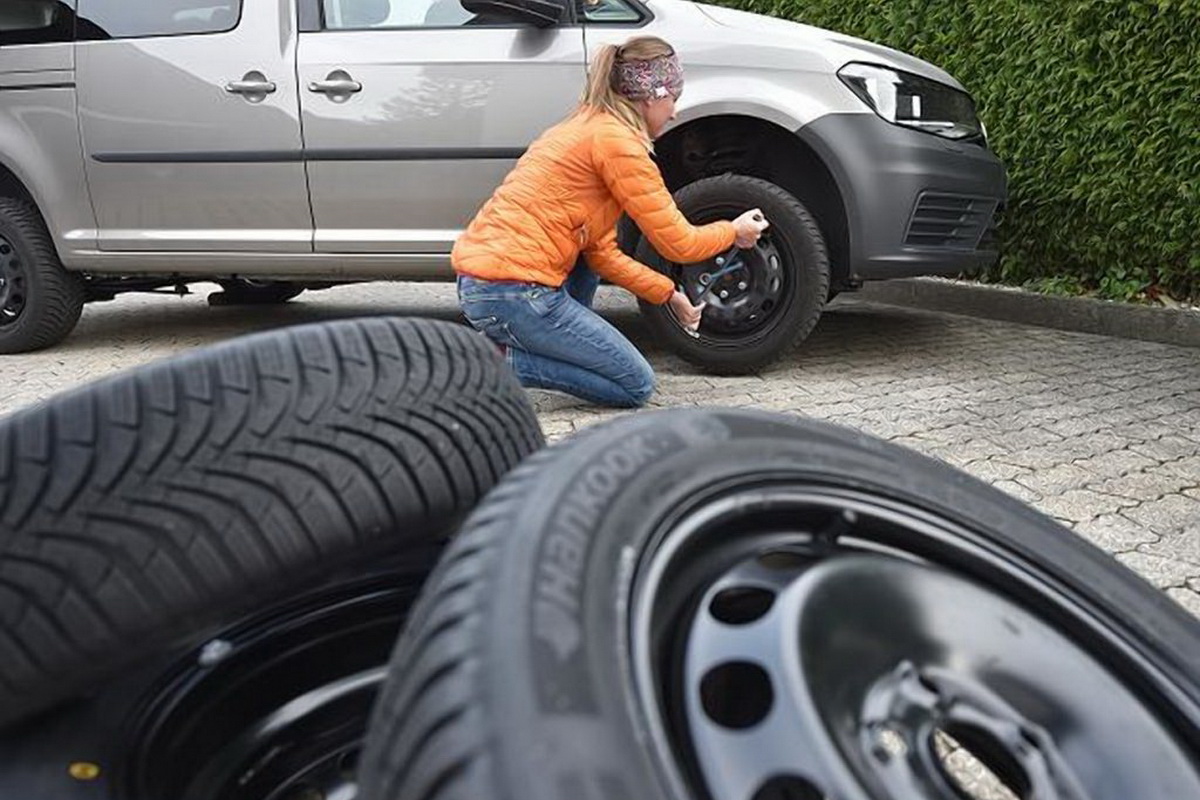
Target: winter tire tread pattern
point(156, 504)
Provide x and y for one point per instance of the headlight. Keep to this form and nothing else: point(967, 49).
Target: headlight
point(902, 98)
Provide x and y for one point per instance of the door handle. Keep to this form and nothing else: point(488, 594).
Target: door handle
point(335, 86)
point(250, 87)
point(254, 86)
point(338, 82)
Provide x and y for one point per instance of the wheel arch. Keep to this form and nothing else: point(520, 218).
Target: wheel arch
point(751, 145)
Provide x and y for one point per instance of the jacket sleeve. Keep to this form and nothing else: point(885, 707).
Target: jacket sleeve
point(607, 260)
point(635, 181)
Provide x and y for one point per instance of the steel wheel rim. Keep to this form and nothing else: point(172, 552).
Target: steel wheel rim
point(716, 741)
point(727, 323)
point(744, 303)
point(274, 710)
point(13, 283)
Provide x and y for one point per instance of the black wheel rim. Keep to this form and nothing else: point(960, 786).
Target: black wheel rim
point(13, 283)
point(274, 710)
point(745, 303)
point(742, 295)
point(800, 643)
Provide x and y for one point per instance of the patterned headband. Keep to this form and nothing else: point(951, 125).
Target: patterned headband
point(653, 78)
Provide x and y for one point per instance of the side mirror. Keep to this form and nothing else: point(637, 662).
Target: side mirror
point(540, 13)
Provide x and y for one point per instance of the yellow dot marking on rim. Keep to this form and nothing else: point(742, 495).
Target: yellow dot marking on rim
point(84, 771)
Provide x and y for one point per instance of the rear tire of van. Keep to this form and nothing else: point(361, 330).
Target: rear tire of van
point(761, 312)
point(40, 302)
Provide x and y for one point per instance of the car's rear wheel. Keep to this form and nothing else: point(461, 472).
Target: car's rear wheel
point(763, 304)
point(40, 302)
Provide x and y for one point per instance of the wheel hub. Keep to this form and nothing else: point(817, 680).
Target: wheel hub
point(12, 283)
point(741, 294)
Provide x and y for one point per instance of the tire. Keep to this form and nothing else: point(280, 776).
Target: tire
point(739, 347)
point(40, 302)
point(147, 509)
point(557, 649)
point(253, 293)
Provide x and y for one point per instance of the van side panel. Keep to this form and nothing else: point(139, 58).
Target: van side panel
point(39, 140)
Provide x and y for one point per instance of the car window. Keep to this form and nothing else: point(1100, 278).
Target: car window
point(610, 11)
point(368, 14)
point(122, 19)
point(35, 22)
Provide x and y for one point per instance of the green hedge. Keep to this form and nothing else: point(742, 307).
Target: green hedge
point(1094, 106)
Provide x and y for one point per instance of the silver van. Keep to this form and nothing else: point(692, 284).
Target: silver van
point(275, 146)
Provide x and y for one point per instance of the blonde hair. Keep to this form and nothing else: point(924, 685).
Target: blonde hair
point(600, 93)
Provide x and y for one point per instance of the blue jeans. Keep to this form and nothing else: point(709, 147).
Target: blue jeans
point(555, 340)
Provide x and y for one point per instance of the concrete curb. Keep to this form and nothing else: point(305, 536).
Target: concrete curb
point(1081, 314)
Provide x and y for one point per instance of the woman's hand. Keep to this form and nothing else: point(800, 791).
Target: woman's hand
point(687, 314)
point(749, 227)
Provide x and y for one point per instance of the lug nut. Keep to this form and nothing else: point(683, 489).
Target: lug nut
point(724, 294)
point(741, 286)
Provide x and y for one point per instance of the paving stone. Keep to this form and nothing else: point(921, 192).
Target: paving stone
point(1115, 533)
point(1114, 463)
point(1167, 448)
point(1020, 492)
point(1056, 479)
point(1149, 484)
point(1176, 512)
point(1181, 546)
point(1160, 571)
point(1187, 467)
point(993, 471)
point(1079, 505)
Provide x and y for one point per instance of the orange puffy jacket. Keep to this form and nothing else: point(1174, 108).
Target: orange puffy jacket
point(565, 196)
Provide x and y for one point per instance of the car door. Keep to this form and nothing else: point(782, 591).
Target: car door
point(413, 111)
point(191, 128)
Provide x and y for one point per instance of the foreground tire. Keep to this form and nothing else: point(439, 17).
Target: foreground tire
point(741, 606)
point(253, 293)
point(757, 315)
point(151, 507)
point(40, 302)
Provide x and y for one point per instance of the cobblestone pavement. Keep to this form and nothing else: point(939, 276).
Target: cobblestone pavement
point(1101, 433)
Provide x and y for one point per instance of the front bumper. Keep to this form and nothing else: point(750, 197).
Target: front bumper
point(916, 204)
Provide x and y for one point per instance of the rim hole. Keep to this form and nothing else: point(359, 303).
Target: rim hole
point(348, 764)
point(784, 559)
point(737, 694)
point(978, 765)
point(741, 604)
point(788, 787)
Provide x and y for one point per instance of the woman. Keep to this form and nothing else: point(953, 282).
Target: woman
point(520, 279)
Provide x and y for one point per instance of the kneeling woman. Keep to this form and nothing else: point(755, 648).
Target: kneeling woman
point(520, 278)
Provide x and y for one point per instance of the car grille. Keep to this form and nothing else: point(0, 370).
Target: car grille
point(953, 221)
